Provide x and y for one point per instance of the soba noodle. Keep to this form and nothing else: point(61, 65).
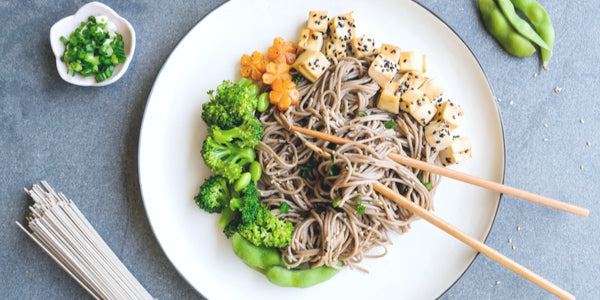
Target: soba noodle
point(341, 103)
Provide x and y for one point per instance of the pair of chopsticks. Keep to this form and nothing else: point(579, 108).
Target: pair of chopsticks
point(449, 228)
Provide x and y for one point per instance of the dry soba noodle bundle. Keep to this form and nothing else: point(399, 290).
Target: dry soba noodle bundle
point(325, 193)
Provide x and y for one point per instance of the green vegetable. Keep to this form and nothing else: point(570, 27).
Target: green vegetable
point(252, 88)
point(333, 169)
point(263, 102)
point(282, 276)
point(242, 182)
point(390, 124)
point(336, 202)
point(360, 209)
point(268, 261)
point(226, 159)
point(306, 169)
point(538, 17)
point(254, 221)
point(267, 230)
point(499, 27)
point(92, 49)
point(246, 204)
point(213, 195)
point(362, 113)
point(426, 184)
point(519, 24)
point(248, 134)
point(255, 171)
point(259, 258)
point(284, 208)
point(230, 104)
point(297, 78)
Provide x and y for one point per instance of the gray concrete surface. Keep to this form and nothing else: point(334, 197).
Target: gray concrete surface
point(84, 141)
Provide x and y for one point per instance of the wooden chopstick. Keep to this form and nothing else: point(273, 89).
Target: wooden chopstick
point(484, 183)
point(460, 235)
point(472, 242)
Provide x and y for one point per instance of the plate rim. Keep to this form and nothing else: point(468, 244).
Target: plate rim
point(489, 84)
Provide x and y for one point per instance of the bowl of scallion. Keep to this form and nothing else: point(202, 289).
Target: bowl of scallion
point(93, 47)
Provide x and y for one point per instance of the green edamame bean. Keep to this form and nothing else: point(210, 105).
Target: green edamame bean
point(498, 26)
point(259, 258)
point(263, 102)
point(282, 276)
point(245, 81)
point(519, 24)
point(242, 182)
point(255, 171)
point(254, 90)
point(538, 17)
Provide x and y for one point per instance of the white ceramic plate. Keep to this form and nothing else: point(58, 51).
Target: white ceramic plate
point(421, 264)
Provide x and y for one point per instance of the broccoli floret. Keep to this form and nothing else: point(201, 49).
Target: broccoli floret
point(226, 159)
point(213, 195)
point(246, 135)
point(267, 230)
point(254, 221)
point(231, 103)
point(246, 204)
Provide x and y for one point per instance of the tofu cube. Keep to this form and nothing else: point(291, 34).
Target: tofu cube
point(451, 113)
point(317, 21)
point(390, 52)
point(433, 88)
point(382, 70)
point(423, 113)
point(342, 27)
point(458, 151)
point(335, 48)
point(414, 102)
point(310, 40)
point(413, 79)
point(362, 46)
point(438, 135)
point(412, 96)
point(311, 64)
point(412, 61)
point(389, 99)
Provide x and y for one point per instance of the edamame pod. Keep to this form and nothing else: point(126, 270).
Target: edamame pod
point(500, 28)
point(259, 258)
point(282, 276)
point(538, 17)
point(519, 24)
point(263, 102)
point(255, 171)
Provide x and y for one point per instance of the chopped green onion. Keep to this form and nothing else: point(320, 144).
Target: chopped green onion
point(284, 208)
point(332, 169)
point(313, 128)
point(426, 184)
point(297, 78)
point(336, 202)
point(92, 50)
point(362, 113)
point(390, 124)
point(360, 209)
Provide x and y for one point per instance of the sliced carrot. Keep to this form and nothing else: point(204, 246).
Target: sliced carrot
point(253, 66)
point(282, 51)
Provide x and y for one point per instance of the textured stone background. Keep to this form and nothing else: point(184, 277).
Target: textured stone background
point(85, 140)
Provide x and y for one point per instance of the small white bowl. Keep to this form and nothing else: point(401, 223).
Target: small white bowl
point(67, 25)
